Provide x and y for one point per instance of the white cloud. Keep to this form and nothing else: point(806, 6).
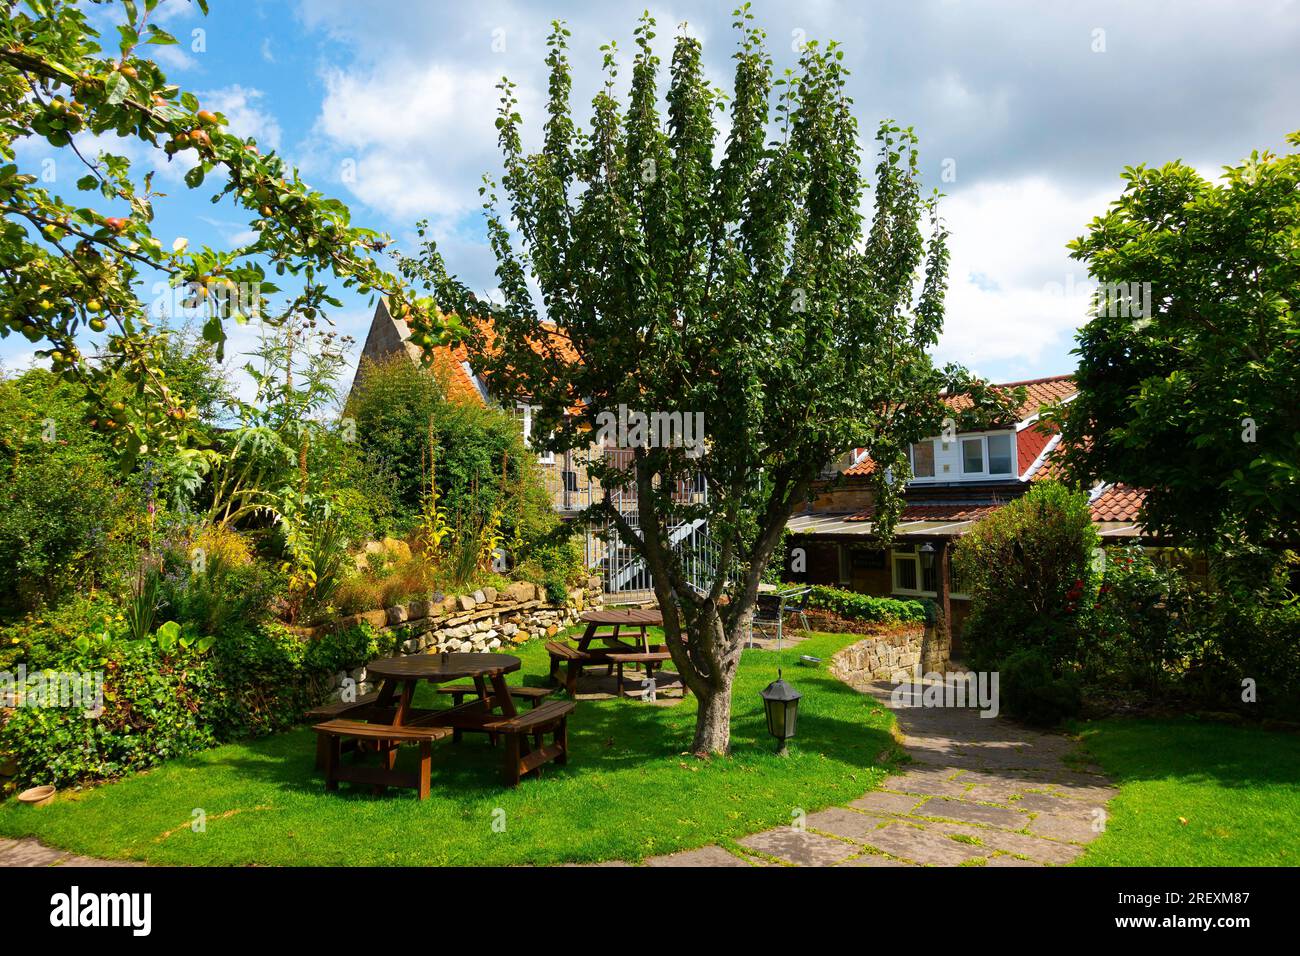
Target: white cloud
point(1014, 298)
point(419, 137)
point(239, 104)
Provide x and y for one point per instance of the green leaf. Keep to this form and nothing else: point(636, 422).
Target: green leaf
point(116, 89)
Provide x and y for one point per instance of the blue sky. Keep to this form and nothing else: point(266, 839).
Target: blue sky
point(1031, 108)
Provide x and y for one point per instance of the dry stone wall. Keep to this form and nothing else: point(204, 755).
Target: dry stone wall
point(486, 621)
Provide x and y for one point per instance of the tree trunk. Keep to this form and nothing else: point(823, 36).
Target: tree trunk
point(713, 720)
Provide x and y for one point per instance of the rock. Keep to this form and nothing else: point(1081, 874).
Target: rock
point(396, 615)
point(509, 628)
point(483, 625)
point(521, 591)
point(490, 594)
point(480, 597)
point(417, 609)
point(552, 630)
point(493, 644)
point(519, 637)
point(375, 618)
point(466, 603)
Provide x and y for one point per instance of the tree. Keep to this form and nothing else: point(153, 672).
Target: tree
point(746, 290)
point(1192, 393)
point(66, 267)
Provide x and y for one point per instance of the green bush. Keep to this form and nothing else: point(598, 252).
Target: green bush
point(1030, 690)
point(1028, 570)
point(1140, 631)
point(161, 702)
point(865, 607)
point(64, 511)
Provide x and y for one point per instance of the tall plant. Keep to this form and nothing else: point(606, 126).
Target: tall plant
point(747, 288)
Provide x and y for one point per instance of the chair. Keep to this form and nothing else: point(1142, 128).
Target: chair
point(768, 615)
point(796, 603)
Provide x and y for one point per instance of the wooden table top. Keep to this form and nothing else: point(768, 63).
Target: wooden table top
point(650, 616)
point(440, 667)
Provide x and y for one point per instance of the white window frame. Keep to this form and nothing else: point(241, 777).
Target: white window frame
point(983, 439)
point(545, 457)
point(934, 460)
point(913, 557)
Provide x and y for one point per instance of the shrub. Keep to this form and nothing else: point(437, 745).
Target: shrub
point(1028, 570)
point(1139, 633)
point(864, 607)
point(161, 701)
point(64, 511)
point(1031, 691)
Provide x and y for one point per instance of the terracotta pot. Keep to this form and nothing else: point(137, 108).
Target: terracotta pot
point(37, 796)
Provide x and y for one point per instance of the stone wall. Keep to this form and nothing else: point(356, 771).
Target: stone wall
point(487, 620)
point(893, 655)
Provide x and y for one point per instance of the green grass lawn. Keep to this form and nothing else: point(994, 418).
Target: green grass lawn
point(629, 790)
point(1237, 788)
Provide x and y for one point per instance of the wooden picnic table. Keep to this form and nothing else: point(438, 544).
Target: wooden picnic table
point(633, 619)
point(611, 627)
point(401, 675)
point(392, 718)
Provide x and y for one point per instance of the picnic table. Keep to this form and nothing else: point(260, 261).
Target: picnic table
point(612, 627)
point(390, 718)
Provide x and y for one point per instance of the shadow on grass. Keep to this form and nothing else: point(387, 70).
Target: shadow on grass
point(1193, 750)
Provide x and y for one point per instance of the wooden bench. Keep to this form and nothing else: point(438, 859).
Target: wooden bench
point(363, 705)
point(340, 708)
point(649, 660)
point(535, 695)
point(386, 739)
point(522, 758)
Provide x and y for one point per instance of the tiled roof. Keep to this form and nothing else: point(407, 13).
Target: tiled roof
point(1038, 392)
point(1118, 503)
point(934, 512)
point(1030, 442)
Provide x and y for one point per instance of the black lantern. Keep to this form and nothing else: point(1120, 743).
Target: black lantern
point(781, 702)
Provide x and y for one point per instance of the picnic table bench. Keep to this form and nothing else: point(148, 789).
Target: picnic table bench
point(584, 654)
point(647, 659)
point(388, 718)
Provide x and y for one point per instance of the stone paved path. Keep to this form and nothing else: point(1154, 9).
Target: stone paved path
point(30, 852)
point(979, 792)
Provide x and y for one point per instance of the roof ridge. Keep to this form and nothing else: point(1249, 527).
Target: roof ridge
point(1034, 381)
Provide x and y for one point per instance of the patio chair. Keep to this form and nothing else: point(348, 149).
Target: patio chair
point(796, 604)
point(768, 616)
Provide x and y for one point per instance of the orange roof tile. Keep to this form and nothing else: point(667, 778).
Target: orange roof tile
point(1038, 392)
point(1118, 503)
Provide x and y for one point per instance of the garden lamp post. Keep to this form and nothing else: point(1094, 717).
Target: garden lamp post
point(781, 703)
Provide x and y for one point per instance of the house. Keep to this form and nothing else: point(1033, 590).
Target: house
point(958, 479)
point(564, 473)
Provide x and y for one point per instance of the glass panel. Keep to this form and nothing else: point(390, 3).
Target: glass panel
point(923, 459)
point(929, 574)
point(972, 455)
point(999, 454)
point(905, 574)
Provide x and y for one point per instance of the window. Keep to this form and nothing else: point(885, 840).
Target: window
point(524, 413)
point(999, 448)
point(915, 572)
point(988, 455)
point(923, 459)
